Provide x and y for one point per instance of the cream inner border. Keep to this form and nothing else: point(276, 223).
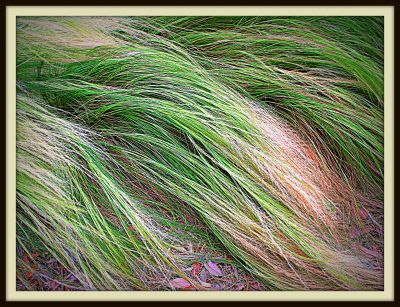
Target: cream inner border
point(13, 11)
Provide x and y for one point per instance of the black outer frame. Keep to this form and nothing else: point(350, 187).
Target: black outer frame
point(172, 4)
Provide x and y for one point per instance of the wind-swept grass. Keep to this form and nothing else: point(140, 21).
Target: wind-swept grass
point(83, 213)
point(237, 123)
point(324, 75)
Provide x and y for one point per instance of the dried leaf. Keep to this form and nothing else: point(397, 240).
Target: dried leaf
point(196, 268)
point(255, 285)
point(213, 269)
point(54, 285)
point(240, 287)
point(191, 288)
point(25, 258)
point(71, 277)
point(35, 255)
point(180, 283)
point(28, 274)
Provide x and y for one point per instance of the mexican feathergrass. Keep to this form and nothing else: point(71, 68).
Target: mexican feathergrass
point(261, 137)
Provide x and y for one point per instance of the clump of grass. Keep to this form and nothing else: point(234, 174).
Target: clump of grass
point(72, 202)
point(323, 75)
point(164, 113)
